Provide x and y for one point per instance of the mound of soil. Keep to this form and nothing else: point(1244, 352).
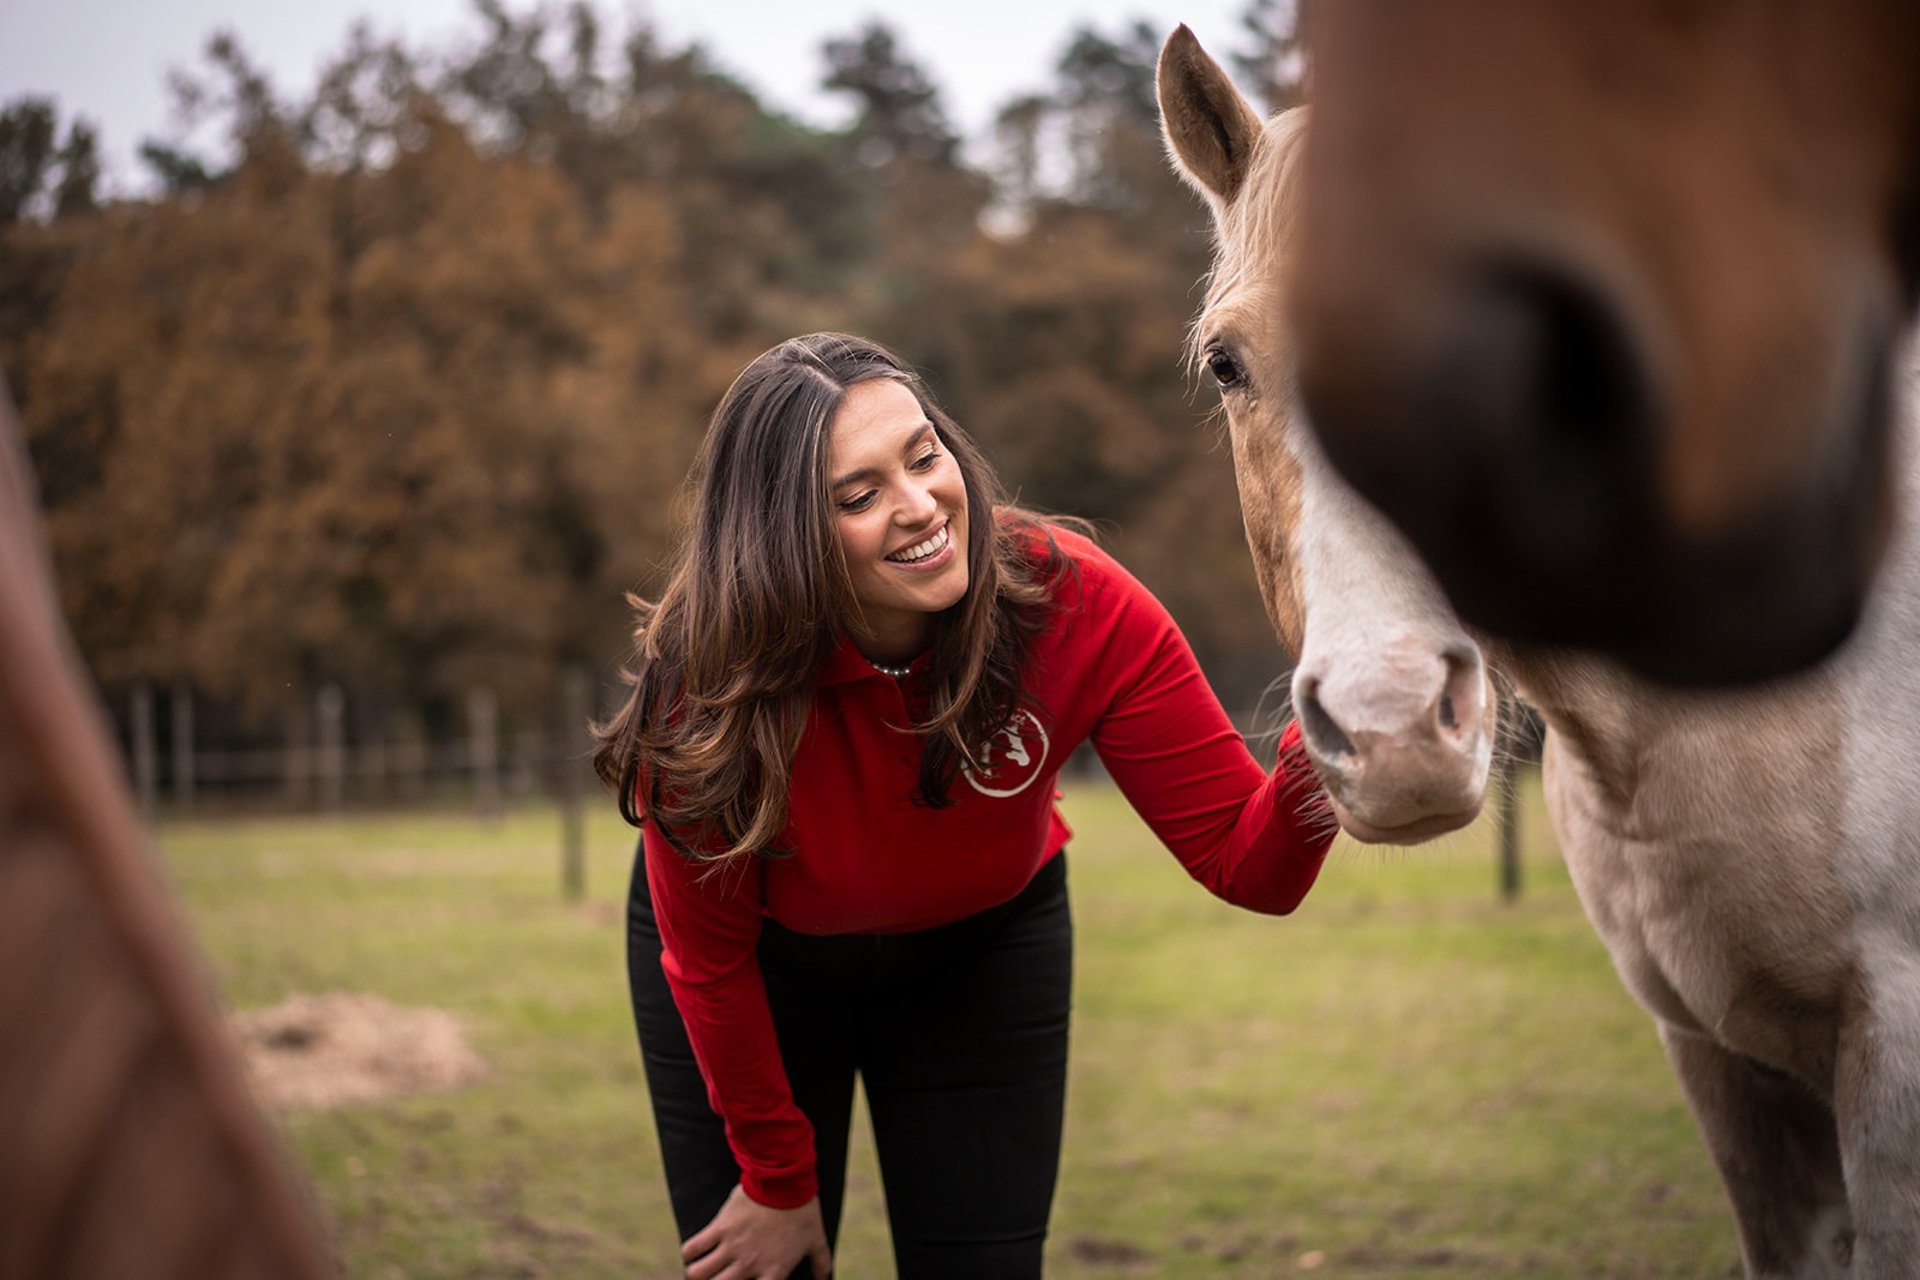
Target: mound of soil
point(315, 1052)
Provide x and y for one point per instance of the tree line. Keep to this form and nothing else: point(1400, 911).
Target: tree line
point(396, 391)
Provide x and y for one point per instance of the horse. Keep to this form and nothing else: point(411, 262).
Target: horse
point(130, 1144)
point(1599, 302)
point(1747, 855)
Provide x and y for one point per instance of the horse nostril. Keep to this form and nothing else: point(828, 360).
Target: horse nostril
point(1323, 734)
point(1547, 385)
point(1545, 355)
point(1460, 693)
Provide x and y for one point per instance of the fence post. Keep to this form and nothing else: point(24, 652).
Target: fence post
point(1517, 745)
point(407, 758)
point(1510, 830)
point(572, 740)
point(330, 760)
point(146, 772)
point(183, 778)
point(483, 751)
point(299, 757)
point(372, 767)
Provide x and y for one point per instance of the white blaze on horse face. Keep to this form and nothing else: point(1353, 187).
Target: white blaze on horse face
point(1392, 694)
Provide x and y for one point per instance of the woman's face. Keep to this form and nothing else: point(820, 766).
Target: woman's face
point(900, 508)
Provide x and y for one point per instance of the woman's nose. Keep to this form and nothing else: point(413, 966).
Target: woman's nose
point(919, 504)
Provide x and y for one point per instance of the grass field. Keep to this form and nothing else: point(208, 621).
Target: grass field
point(1405, 1078)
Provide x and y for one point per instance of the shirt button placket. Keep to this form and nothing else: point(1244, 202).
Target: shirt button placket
point(906, 748)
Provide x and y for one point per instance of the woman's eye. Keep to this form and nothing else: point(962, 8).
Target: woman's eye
point(859, 502)
point(1226, 370)
point(926, 460)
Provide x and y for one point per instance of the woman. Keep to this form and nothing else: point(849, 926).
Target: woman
point(848, 710)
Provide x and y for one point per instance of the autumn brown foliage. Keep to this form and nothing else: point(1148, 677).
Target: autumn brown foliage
point(400, 393)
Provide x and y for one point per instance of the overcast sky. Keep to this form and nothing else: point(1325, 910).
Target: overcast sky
point(107, 59)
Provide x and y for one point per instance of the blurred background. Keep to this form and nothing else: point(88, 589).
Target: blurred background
point(360, 396)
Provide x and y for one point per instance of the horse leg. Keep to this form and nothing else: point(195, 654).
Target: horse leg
point(1877, 1100)
point(1778, 1153)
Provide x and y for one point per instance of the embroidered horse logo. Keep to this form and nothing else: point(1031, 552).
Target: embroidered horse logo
point(1012, 758)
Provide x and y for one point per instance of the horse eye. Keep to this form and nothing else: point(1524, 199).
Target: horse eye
point(1226, 370)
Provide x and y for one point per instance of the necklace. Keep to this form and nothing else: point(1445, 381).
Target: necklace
point(898, 673)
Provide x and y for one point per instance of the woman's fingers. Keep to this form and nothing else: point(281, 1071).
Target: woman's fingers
point(718, 1262)
point(701, 1242)
point(709, 1266)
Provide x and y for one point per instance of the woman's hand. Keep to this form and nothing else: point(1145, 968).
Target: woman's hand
point(748, 1240)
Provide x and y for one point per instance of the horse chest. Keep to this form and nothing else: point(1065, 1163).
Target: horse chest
point(1731, 928)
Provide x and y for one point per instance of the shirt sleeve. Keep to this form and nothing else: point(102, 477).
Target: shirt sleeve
point(709, 916)
point(1255, 839)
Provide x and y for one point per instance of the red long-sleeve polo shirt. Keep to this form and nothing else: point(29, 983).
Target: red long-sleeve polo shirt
point(1110, 666)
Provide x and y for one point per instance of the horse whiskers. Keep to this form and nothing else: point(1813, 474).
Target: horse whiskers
point(1266, 726)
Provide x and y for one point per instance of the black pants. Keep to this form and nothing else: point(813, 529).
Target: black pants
point(960, 1036)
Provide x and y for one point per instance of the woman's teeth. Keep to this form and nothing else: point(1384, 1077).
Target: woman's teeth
point(921, 550)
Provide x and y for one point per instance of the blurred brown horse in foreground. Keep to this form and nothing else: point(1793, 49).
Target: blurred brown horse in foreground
point(1750, 858)
point(130, 1148)
point(1597, 302)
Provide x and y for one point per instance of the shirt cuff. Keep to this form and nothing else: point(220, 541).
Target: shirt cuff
point(781, 1190)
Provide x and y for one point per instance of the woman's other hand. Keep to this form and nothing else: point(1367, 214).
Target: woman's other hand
point(748, 1240)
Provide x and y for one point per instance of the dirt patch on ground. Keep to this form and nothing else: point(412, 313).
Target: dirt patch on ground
point(1107, 1253)
point(315, 1052)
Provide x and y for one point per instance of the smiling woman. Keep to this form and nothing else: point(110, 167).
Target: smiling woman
point(848, 710)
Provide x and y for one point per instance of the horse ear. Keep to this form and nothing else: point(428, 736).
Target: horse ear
point(1209, 128)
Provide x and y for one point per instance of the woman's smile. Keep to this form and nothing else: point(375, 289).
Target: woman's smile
point(928, 553)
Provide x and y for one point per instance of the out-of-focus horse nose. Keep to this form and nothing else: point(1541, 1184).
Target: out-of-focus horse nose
point(1513, 416)
point(1514, 413)
point(1507, 414)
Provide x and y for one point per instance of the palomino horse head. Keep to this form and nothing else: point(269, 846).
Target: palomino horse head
point(1596, 301)
point(1394, 701)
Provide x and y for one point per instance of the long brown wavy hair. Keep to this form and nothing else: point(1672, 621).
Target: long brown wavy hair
point(722, 676)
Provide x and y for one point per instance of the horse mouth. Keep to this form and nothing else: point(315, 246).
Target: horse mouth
point(1418, 831)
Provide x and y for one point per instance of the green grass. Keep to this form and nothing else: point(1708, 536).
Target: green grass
point(1404, 1078)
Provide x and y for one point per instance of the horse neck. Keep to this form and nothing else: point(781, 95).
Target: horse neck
point(1662, 763)
point(1599, 711)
